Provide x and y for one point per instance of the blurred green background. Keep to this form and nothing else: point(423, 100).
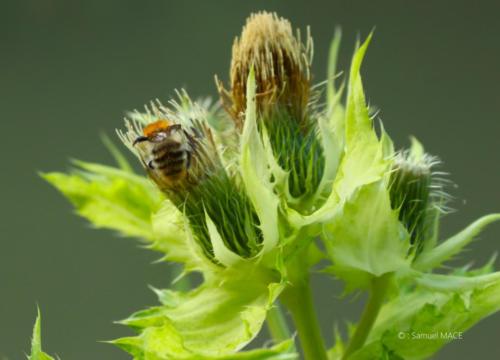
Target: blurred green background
point(69, 70)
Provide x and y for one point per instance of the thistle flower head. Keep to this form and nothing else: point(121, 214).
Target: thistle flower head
point(176, 149)
point(416, 192)
point(281, 62)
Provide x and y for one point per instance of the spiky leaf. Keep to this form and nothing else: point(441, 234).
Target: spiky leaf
point(365, 238)
point(36, 342)
point(216, 319)
point(417, 324)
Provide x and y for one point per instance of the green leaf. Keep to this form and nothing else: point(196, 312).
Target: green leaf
point(417, 324)
point(332, 150)
point(447, 283)
point(130, 204)
point(365, 238)
point(335, 109)
point(224, 255)
point(365, 160)
point(120, 159)
point(331, 91)
point(215, 320)
point(256, 173)
point(357, 116)
point(36, 342)
point(466, 270)
point(110, 198)
point(447, 249)
point(172, 235)
point(281, 351)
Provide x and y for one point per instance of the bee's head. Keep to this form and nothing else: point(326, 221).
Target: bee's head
point(156, 131)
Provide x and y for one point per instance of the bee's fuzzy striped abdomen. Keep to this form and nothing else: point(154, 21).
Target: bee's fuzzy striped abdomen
point(166, 153)
point(171, 160)
point(166, 148)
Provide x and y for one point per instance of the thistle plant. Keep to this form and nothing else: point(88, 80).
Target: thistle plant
point(279, 179)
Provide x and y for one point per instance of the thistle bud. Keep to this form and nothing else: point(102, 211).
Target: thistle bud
point(413, 192)
point(177, 150)
point(281, 62)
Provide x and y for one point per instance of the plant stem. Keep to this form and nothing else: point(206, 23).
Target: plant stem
point(298, 299)
point(277, 325)
point(378, 290)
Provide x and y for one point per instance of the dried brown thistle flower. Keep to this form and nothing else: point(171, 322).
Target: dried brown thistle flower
point(281, 62)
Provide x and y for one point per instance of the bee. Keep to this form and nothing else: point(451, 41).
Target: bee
point(166, 151)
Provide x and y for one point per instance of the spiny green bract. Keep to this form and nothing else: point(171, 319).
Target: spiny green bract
point(286, 183)
point(237, 221)
point(417, 192)
point(297, 148)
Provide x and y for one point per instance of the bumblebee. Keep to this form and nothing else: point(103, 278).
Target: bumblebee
point(166, 151)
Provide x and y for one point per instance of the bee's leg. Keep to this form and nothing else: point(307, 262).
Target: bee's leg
point(150, 165)
point(140, 139)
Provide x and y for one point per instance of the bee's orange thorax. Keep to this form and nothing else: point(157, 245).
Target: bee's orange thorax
point(158, 125)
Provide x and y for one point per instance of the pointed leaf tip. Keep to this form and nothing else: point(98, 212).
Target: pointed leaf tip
point(117, 155)
point(332, 64)
point(222, 253)
point(449, 248)
point(36, 341)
